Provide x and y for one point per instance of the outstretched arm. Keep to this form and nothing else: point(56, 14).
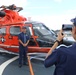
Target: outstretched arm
point(59, 38)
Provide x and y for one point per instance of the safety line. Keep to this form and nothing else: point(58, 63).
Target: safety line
point(30, 66)
point(5, 64)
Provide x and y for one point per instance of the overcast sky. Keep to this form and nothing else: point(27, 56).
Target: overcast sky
point(53, 13)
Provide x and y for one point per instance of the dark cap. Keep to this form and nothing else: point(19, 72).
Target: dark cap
point(74, 21)
point(23, 27)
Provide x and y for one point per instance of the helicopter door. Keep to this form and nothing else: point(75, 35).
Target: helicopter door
point(13, 38)
point(3, 36)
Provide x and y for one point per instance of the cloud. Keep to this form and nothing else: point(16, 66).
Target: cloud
point(72, 11)
point(55, 21)
point(24, 13)
point(43, 7)
point(58, 0)
point(16, 2)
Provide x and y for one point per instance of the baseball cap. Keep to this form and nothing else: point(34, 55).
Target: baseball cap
point(74, 21)
point(23, 27)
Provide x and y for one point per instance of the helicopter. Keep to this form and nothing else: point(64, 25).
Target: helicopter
point(11, 23)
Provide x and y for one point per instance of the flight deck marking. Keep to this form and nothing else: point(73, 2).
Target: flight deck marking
point(5, 64)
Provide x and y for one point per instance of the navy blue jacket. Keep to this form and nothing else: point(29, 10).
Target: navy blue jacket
point(21, 37)
point(64, 59)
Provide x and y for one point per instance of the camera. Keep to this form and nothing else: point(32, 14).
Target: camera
point(67, 27)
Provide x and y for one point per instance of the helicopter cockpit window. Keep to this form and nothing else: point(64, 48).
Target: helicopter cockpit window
point(41, 30)
point(2, 31)
point(29, 31)
point(14, 30)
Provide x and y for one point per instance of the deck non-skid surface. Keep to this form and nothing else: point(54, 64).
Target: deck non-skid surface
point(13, 69)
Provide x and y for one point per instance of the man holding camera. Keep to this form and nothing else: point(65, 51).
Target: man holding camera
point(63, 57)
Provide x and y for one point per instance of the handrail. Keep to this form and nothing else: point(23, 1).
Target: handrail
point(30, 66)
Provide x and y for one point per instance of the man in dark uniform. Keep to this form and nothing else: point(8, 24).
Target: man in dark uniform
point(23, 43)
point(63, 57)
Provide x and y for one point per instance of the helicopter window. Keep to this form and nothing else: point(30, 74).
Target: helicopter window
point(41, 30)
point(29, 31)
point(2, 31)
point(14, 30)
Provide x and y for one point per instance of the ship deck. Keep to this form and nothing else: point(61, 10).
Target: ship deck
point(9, 66)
